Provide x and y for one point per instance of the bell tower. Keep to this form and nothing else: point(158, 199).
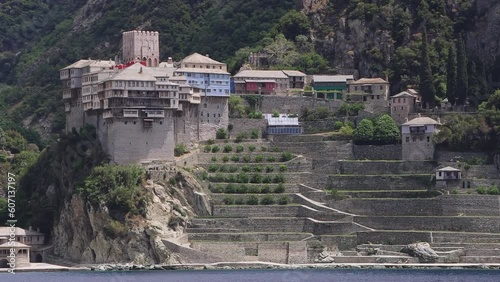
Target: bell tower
point(141, 46)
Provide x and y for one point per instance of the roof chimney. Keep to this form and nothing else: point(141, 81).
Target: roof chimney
point(419, 115)
point(140, 71)
point(30, 228)
point(207, 55)
point(170, 61)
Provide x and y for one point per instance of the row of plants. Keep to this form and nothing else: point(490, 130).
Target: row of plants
point(245, 178)
point(211, 148)
point(246, 168)
point(257, 159)
point(254, 200)
point(491, 190)
point(247, 189)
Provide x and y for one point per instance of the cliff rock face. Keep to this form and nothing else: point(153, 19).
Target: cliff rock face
point(80, 235)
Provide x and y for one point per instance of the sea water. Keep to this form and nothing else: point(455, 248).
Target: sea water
point(315, 275)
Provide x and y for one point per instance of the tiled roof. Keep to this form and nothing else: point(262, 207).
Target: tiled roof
point(85, 63)
point(294, 73)
point(421, 121)
point(332, 78)
point(448, 168)
point(196, 58)
point(261, 74)
point(403, 94)
point(5, 232)
point(369, 81)
point(201, 70)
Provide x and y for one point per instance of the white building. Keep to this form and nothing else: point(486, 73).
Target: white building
point(448, 173)
point(417, 142)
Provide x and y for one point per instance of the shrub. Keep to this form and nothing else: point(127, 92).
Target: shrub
point(386, 130)
point(285, 157)
point(207, 149)
point(228, 148)
point(271, 159)
point(246, 168)
point(239, 148)
point(259, 158)
point(233, 169)
point(239, 201)
point(256, 178)
point(279, 189)
point(283, 200)
point(242, 189)
point(241, 136)
point(242, 178)
point(172, 181)
point(251, 148)
point(338, 125)
point(275, 149)
point(269, 168)
point(223, 168)
point(454, 191)
point(216, 189)
point(257, 168)
point(213, 168)
point(252, 200)
point(214, 159)
point(283, 167)
point(210, 141)
point(267, 200)
point(481, 191)
point(215, 149)
point(493, 191)
point(180, 149)
point(228, 200)
point(279, 178)
point(115, 229)
point(267, 179)
point(231, 178)
point(225, 159)
point(204, 175)
point(230, 189)
point(265, 189)
point(246, 159)
point(365, 132)
point(253, 189)
point(221, 133)
point(335, 194)
point(276, 114)
point(263, 149)
point(254, 134)
point(235, 158)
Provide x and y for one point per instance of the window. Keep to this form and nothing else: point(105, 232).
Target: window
point(428, 139)
point(381, 87)
point(440, 173)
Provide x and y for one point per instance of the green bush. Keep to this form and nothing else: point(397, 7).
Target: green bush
point(481, 191)
point(257, 168)
point(230, 189)
point(338, 125)
point(241, 136)
point(271, 159)
point(231, 178)
point(256, 178)
point(115, 229)
point(263, 149)
point(207, 149)
point(233, 169)
point(280, 178)
point(267, 200)
point(275, 149)
point(283, 201)
point(267, 179)
point(246, 159)
point(493, 191)
point(215, 149)
point(265, 189)
point(225, 159)
point(279, 189)
point(242, 189)
point(180, 149)
point(242, 178)
point(252, 200)
point(221, 133)
point(239, 148)
point(259, 158)
point(213, 168)
point(335, 194)
point(223, 168)
point(228, 200)
point(283, 167)
point(254, 189)
point(285, 157)
point(235, 158)
point(251, 148)
point(246, 168)
point(228, 148)
point(269, 168)
point(254, 134)
point(210, 141)
point(214, 159)
point(239, 201)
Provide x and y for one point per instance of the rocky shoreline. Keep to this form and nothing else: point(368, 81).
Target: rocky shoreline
point(263, 265)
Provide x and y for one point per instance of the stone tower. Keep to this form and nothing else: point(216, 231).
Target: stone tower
point(141, 46)
point(416, 140)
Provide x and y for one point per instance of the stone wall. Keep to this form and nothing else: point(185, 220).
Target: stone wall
point(446, 156)
point(294, 105)
point(363, 182)
point(247, 125)
point(392, 237)
point(373, 152)
point(372, 167)
point(332, 150)
point(438, 223)
point(390, 207)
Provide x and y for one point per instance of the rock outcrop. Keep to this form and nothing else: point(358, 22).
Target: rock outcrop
point(422, 251)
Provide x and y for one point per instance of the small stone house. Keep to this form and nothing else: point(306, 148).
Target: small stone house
point(402, 105)
point(448, 173)
point(14, 254)
point(416, 139)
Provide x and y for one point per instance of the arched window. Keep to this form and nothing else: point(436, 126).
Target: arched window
point(150, 64)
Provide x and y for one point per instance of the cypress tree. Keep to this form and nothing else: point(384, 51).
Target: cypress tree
point(462, 77)
point(427, 89)
point(451, 72)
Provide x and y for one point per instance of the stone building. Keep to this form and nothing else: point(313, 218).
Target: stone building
point(448, 173)
point(265, 82)
point(28, 244)
point(416, 139)
point(366, 89)
point(14, 255)
point(142, 108)
point(402, 105)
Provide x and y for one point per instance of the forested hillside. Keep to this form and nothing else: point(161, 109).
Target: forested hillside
point(405, 40)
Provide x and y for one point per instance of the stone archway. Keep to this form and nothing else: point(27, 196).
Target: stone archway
point(4, 263)
point(38, 258)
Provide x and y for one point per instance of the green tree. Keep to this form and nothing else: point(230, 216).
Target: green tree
point(294, 23)
point(365, 132)
point(427, 89)
point(236, 108)
point(281, 52)
point(3, 211)
point(221, 133)
point(451, 75)
point(23, 161)
point(14, 141)
point(462, 76)
point(386, 130)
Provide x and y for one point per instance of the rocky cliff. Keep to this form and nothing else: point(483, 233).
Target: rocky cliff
point(84, 234)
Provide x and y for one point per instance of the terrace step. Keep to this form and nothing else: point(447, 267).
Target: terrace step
point(480, 259)
point(383, 194)
point(374, 259)
point(483, 252)
point(248, 237)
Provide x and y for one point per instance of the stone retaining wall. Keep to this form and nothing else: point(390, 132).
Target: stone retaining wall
point(372, 167)
point(376, 182)
point(247, 125)
point(392, 237)
point(374, 152)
